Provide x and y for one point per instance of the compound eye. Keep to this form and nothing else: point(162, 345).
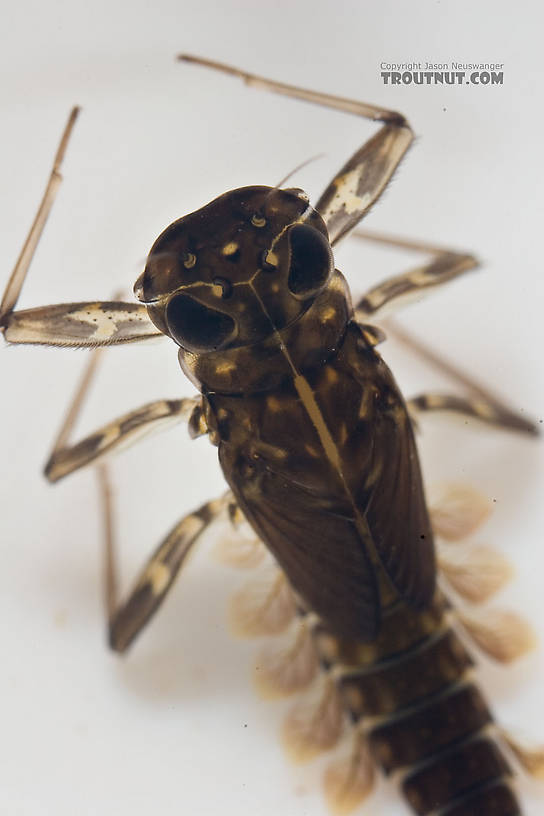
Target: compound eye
point(196, 327)
point(311, 261)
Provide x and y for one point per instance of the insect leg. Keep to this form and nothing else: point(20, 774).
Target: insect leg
point(483, 405)
point(493, 413)
point(446, 265)
point(126, 619)
point(17, 279)
point(72, 324)
point(80, 325)
point(363, 178)
point(117, 434)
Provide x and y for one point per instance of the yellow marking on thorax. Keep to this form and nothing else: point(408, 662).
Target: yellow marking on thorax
point(309, 401)
point(225, 367)
point(367, 402)
point(273, 403)
point(311, 450)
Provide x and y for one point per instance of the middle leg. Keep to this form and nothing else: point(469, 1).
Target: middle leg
point(65, 458)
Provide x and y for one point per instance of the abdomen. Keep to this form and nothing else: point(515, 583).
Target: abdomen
point(428, 721)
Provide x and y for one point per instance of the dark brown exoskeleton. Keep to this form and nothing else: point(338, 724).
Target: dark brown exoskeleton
point(317, 445)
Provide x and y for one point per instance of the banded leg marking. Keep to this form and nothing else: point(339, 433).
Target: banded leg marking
point(482, 404)
point(361, 181)
point(119, 433)
point(492, 413)
point(127, 619)
point(397, 290)
point(446, 265)
point(80, 325)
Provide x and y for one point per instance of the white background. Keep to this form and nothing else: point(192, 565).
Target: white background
point(175, 727)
